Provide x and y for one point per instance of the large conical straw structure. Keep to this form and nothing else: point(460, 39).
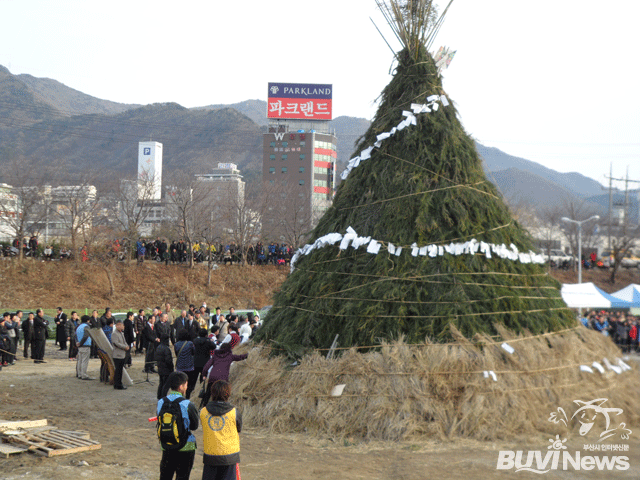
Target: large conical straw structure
point(417, 184)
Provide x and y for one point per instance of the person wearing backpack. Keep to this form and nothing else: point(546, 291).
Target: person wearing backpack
point(177, 418)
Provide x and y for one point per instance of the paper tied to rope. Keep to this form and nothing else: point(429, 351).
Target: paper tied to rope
point(337, 390)
point(470, 247)
point(508, 348)
point(598, 367)
point(492, 374)
point(623, 365)
point(584, 368)
point(613, 368)
point(410, 119)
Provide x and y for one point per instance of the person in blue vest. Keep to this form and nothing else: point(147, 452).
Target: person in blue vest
point(179, 462)
point(83, 340)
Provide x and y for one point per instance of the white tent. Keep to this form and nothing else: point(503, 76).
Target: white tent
point(587, 295)
point(630, 293)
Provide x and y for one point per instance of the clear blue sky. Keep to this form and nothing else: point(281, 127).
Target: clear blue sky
point(554, 81)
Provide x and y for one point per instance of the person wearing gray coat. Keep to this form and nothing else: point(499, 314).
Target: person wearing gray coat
point(120, 348)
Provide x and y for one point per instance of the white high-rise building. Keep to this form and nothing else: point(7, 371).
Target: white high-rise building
point(149, 170)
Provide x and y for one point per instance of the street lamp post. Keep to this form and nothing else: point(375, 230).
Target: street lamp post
point(579, 223)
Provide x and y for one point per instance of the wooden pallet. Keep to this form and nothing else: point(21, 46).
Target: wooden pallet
point(6, 450)
point(36, 437)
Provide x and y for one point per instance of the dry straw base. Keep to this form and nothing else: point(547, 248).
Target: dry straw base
point(406, 391)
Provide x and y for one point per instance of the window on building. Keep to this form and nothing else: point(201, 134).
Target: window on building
point(301, 170)
point(284, 156)
point(285, 144)
point(272, 157)
point(272, 170)
point(272, 144)
point(284, 169)
point(302, 156)
point(301, 182)
point(292, 136)
point(303, 143)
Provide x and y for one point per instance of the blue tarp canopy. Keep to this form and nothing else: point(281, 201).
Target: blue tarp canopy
point(630, 293)
point(587, 295)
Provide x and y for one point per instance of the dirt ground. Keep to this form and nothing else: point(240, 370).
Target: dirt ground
point(130, 450)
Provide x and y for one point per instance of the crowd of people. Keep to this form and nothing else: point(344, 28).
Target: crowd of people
point(159, 250)
point(620, 326)
point(180, 252)
point(194, 346)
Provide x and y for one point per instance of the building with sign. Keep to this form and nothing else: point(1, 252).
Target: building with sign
point(150, 170)
point(299, 159)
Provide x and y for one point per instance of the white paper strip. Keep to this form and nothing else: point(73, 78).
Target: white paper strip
point(471, 247)
point(337, 390)
point(374, 247)
point(491, 373)
point(623, 365)
point(508, 348)
point(598, 367)
point(584, 368)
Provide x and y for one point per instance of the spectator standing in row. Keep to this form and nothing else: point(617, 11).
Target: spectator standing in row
point(105, 316)
point(129, 337)
point(5, 343)
point(84, 347)
point(61, 335)
point(28, 335)
point(13, 332)
point(139, 324)
point(185, 351)
point(231, 316)
point(164, 327)
point(164, 364)
point(70, 331)
point(40, 327)
point(203, 347)
point(120, 349)
point(151, 340)
point(170, 317)
point(97, 324)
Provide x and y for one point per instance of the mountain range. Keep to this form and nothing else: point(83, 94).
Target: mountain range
point(43, 119)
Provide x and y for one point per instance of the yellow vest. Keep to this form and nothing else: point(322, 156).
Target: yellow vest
point(220, 433)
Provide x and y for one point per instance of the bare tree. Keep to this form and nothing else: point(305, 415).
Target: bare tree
point(242, 216)
point(75, 207)
point(189, 203)
point(22, 204)
point(294, 214)
point(134, 201)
